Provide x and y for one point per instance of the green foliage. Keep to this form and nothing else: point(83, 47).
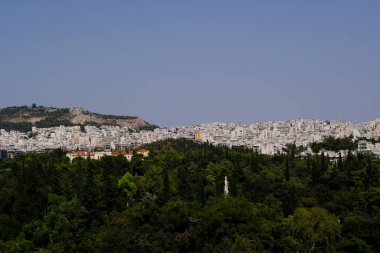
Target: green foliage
point(10, 111)
point(173, 201)
point(21, 127)
point(127, 185)
point(313, 229)
point(149, 127)
point(105, 116)
point(335, 144)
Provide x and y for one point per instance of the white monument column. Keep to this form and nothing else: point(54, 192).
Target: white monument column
point(225, 186)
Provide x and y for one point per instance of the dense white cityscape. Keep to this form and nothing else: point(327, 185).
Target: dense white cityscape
point(266, 138)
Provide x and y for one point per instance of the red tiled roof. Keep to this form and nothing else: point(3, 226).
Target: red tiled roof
point(81, 153)
point(124, 153)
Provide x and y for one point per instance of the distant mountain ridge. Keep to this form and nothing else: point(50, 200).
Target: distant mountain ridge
point(22, 118)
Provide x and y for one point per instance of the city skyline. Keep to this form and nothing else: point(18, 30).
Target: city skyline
point(266, 137)
point(179, 63)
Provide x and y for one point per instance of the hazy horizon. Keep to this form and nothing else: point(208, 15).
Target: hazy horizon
point(209, 122)
point(178, 63)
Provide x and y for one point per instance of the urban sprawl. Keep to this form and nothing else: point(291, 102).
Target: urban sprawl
point(265, 138)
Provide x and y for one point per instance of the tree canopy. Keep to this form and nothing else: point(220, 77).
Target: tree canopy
point(174, 201)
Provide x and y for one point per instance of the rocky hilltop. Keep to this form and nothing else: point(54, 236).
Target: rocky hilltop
point(22, 118)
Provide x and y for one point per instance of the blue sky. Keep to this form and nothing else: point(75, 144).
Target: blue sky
point(182, 62)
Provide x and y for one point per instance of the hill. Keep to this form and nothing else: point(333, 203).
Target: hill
point(22, 118)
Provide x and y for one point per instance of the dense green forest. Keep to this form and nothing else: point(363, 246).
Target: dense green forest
point(174, 201)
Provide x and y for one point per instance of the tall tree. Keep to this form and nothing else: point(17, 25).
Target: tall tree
point(287, 169)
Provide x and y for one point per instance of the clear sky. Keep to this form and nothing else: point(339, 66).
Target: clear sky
point(181, 62)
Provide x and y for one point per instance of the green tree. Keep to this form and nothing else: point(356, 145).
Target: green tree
point(287, 169)
point(127, 185)
point(314, 229)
